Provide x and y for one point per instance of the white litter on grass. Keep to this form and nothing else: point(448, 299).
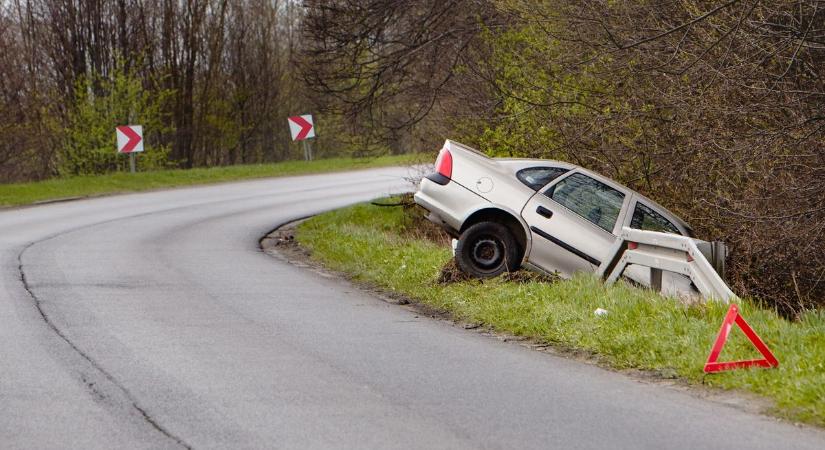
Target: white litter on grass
point(600, 312)
point(455, 244)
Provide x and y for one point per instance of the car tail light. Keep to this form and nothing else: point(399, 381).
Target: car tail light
point(632, 245)
point(444, 163)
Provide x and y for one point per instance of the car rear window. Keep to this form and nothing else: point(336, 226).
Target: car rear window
point(536, 177)
point(645, 218)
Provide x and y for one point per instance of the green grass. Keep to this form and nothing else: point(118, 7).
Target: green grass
point(84, 186)
point(642, 330)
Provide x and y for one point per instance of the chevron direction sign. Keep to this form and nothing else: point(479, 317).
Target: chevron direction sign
point(129, 138)
point(301, 127)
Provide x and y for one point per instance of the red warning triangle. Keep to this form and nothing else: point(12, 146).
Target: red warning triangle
point(733, 316)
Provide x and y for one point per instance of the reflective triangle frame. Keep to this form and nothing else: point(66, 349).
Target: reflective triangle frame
point(713, 365)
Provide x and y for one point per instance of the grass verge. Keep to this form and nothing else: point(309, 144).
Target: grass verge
point(85, 186)
point(642, 330)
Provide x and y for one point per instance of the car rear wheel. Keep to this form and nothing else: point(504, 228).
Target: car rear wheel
point(486, 250)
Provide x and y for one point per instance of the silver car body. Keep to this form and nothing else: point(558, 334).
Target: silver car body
point(566, 242)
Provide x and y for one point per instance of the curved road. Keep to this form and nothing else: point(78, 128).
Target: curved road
point(154, 321)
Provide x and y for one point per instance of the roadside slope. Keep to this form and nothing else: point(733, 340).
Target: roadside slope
point(386, 247)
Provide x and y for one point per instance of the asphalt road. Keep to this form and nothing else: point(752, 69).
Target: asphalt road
point(154, 321)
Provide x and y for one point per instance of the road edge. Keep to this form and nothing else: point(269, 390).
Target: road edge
point(280, 244)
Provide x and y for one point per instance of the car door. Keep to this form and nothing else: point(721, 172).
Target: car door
point(572, 223)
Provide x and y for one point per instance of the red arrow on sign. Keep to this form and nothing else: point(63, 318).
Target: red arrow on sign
point(134, 139)
point(305, 127)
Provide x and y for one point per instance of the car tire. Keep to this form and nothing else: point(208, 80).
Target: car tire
point(486, 250)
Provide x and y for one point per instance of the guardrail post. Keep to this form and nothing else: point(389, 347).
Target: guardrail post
point(616, 252)
point(656, 279)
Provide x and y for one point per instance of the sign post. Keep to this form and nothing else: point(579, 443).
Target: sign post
point(130, 140)
point(302, 129)
point(307, 150)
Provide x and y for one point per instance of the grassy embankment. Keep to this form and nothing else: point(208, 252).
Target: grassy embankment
point(642, 330)
point(85, 186)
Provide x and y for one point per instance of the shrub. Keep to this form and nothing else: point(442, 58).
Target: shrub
point(102, 103)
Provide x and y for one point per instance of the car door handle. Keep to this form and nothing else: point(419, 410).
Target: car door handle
point(542, 211)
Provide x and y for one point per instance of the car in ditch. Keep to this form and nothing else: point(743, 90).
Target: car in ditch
point(545, 215)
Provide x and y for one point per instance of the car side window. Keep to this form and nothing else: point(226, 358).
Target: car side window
point(589, 198)
point(538, 177)
point(645, 218)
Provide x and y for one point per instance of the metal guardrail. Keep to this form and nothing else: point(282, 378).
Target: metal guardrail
point(665, 252)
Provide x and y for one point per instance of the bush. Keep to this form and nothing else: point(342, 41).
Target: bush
point(103, 103)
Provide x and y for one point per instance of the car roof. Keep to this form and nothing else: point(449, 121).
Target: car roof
point(516, 164)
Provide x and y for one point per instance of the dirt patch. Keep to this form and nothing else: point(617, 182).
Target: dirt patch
point(527, 276)
point(281, 244)
point(450, 273)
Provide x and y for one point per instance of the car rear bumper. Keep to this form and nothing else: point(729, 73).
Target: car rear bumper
point(449, 204)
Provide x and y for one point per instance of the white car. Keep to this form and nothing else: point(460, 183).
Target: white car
point(547, 215)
